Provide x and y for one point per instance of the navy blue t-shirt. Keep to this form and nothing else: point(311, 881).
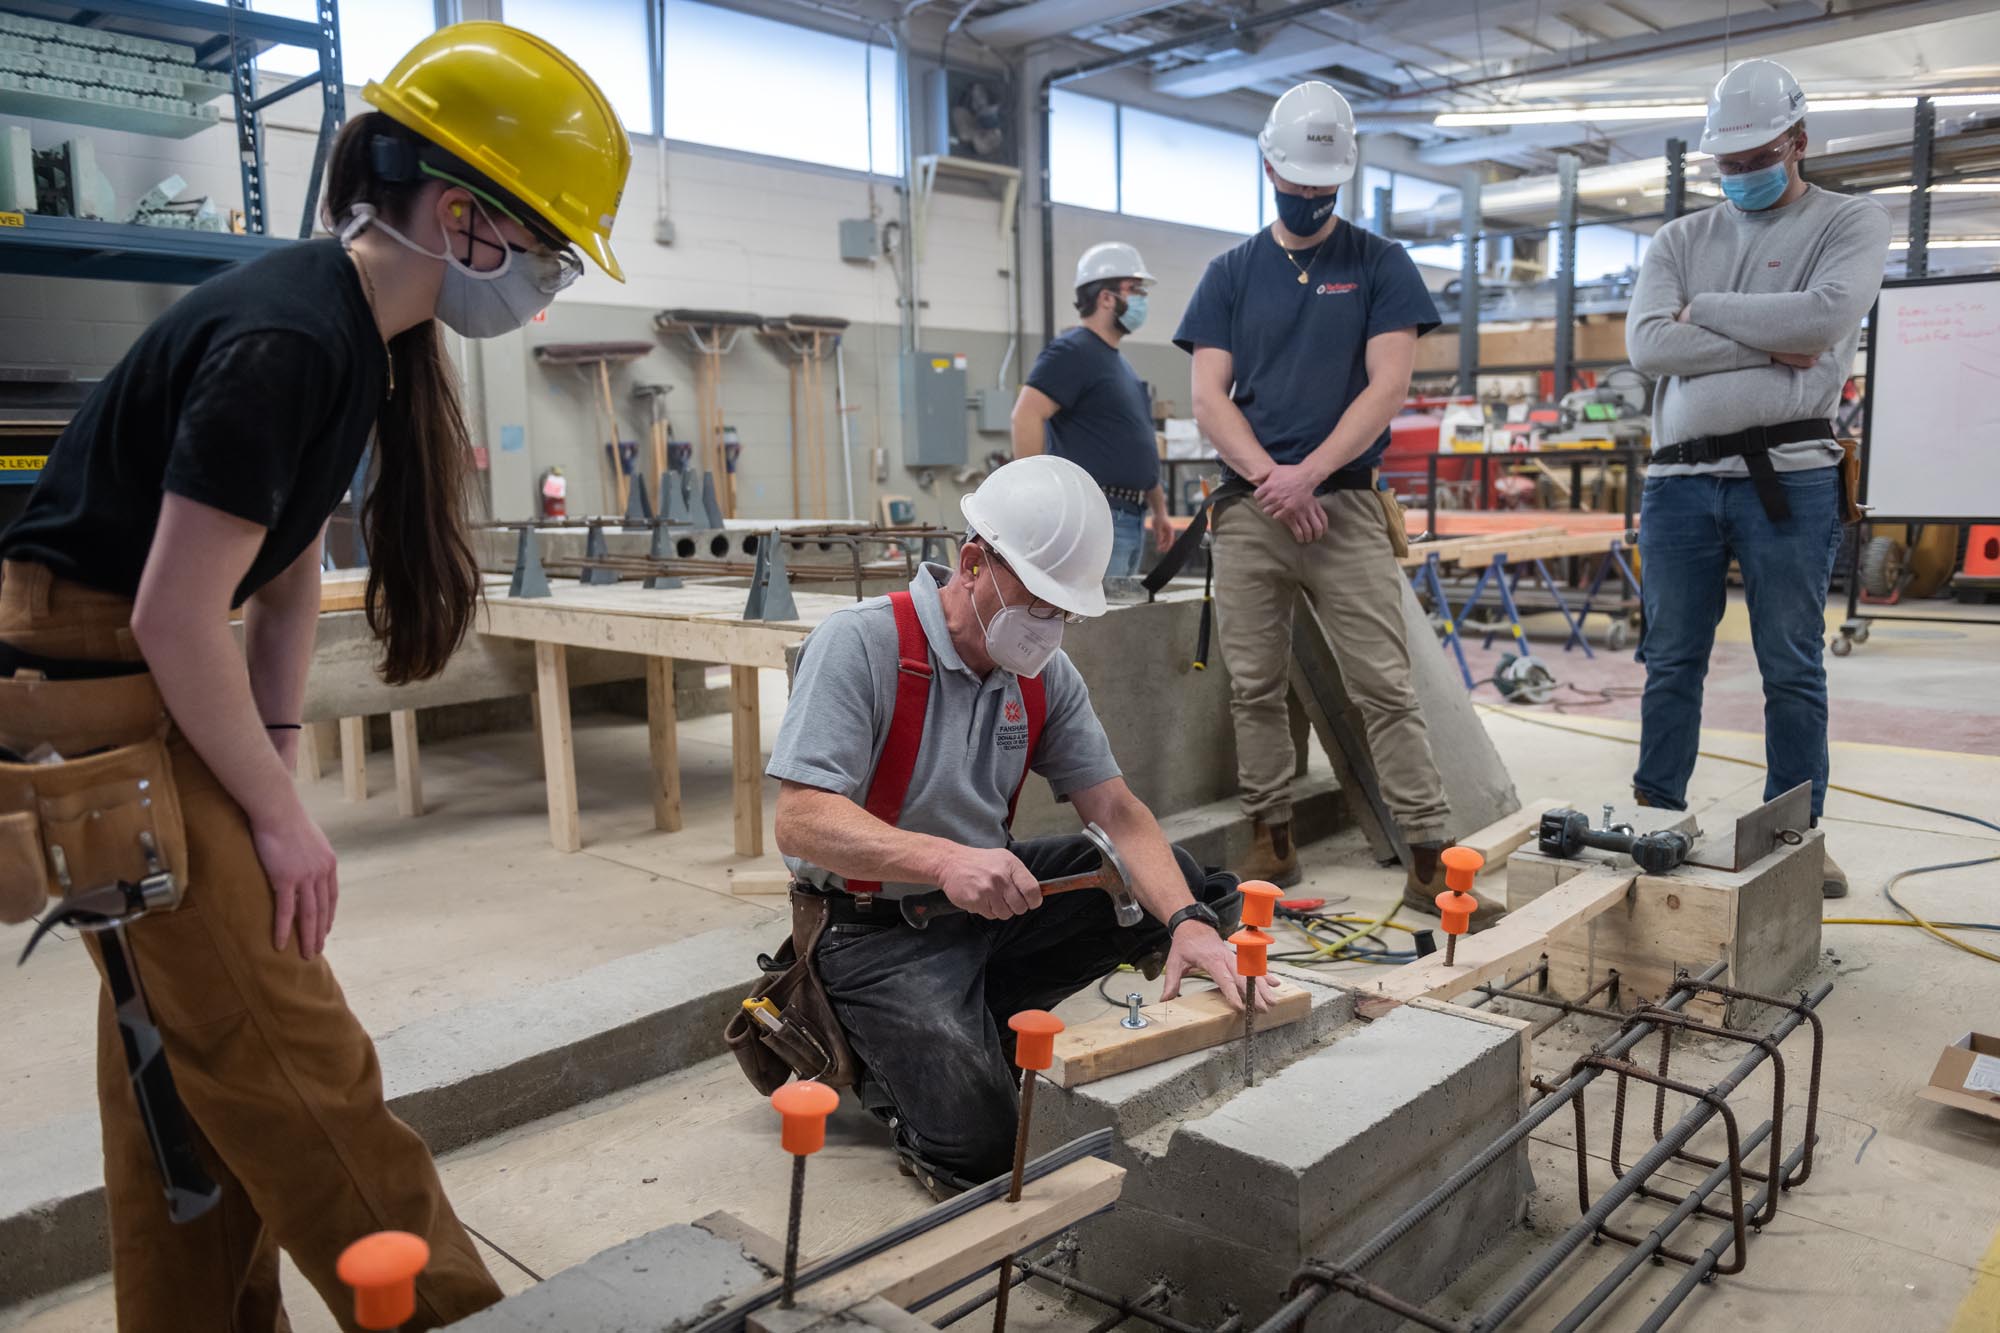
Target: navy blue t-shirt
point(1105, 425)
point(1300, 348)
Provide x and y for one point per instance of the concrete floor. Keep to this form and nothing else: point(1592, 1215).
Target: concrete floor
point(1899, 1226)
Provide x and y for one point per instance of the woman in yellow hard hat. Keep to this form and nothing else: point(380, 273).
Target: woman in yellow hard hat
point(198, 477)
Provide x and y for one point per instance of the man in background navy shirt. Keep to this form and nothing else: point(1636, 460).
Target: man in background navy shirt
point(1303, 340)
point(1084, 402)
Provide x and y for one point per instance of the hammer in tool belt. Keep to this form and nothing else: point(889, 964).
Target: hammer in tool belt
point(1110, 876)
point(105, 911)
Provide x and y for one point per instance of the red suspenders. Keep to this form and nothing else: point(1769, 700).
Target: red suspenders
point(906, 725)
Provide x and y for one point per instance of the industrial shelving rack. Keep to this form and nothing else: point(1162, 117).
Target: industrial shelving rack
point(222, 36)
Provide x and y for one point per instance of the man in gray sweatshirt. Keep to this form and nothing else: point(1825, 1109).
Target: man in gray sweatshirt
point(1748, 313)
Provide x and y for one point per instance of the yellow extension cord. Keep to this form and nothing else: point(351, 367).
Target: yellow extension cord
point(1915, 920)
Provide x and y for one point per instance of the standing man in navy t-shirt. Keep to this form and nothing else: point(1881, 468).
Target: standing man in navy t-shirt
point(1303, 340)
point(1084, 402)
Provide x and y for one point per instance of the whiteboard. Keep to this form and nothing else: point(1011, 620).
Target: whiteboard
point(1933, 423)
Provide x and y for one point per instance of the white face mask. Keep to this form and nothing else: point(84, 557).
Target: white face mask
point(476, 304)
point(1017, 641)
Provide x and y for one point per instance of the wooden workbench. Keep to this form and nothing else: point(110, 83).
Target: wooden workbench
point(696, 622)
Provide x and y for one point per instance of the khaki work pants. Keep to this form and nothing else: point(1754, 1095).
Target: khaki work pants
point(1352, 578)
point(280, 1080)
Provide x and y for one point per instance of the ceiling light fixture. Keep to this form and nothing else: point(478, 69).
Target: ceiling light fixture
point(1563, 115)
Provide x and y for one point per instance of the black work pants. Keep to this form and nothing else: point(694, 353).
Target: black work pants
point(926, 1010)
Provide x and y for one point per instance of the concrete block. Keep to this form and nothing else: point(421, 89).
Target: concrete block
point(665, 1280)
point(1240, 1189)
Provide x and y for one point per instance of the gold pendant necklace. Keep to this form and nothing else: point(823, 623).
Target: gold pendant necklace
point(1304, 278)
point(388, 360)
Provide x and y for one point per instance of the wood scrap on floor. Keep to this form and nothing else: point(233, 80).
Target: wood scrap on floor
point(1507, 834)
point(1196, 1021)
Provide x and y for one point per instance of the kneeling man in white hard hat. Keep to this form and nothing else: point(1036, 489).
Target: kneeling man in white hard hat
point(913, 723)
point(1749, 313)
point(1303, 339)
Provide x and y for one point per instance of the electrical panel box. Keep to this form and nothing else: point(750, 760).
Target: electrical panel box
point(996, 411)
point(857, 240)
point(934, 433)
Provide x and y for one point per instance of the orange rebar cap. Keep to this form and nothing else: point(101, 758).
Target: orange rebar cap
point(804, 1108)
point(1035, 1038)
point(1456, 904)
point(382, 1268)
point(1461, 866)
point(1260, 901)
point(1250, 946)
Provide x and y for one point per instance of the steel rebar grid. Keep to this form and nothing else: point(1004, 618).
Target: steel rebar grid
point(1718, 1103)
point(791, 1275)
point(1317, 1279)
point(1701, 1270)
point(1655, 1240)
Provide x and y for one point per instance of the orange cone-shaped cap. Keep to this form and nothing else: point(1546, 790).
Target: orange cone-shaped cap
point(382, 1268)
point(1461, 865)
point(804, 1108)
point(1260, 902)
point(1035, 1038)
point(1250, 946)
point(1456, 904)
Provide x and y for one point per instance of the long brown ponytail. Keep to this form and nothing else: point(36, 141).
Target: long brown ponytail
point(423, 579)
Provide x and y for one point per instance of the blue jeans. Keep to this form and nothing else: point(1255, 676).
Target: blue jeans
point(1690, 527)
point(1128, 542)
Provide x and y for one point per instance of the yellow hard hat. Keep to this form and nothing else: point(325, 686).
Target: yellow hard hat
point(520, 111)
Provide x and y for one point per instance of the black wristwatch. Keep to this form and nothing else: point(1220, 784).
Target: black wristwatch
point(1201, 912)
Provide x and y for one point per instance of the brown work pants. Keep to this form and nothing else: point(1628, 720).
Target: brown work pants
point(1355, 584)
point(281, 1082)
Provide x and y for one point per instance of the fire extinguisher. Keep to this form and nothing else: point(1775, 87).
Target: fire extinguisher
point(555, 490)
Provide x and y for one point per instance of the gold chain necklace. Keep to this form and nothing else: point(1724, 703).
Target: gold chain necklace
point(389, 361)
point(1304, 277)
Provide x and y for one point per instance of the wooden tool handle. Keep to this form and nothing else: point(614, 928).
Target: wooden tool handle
point(1095, 879)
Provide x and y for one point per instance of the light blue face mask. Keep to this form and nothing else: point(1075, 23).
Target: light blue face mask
point(1755, 190)
point(1134, 313)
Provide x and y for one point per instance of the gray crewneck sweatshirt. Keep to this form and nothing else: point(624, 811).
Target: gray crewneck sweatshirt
point(1794, 279)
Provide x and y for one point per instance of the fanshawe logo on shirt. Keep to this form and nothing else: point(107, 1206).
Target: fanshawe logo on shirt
point(1773, 263)
point(1336, 288)
point(1012, 733)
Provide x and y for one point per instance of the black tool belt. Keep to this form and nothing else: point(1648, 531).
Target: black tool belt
point(1236, 488)
point(1754, 447)
point(1130, 496)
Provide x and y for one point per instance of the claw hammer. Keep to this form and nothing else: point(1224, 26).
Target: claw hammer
point(1110, 876)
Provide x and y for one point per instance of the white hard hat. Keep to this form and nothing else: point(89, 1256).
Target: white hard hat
point(1111, 259)
point(1752, 105)
point(1309, 139)
point(1050, 522)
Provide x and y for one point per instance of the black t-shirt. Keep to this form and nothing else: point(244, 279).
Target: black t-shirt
point(1106, 422)
point(1300, 348)
point(254, 394)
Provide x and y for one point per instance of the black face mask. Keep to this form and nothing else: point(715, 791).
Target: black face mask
point(1304, 214)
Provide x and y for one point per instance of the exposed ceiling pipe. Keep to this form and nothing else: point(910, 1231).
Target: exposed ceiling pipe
point(1118, 60)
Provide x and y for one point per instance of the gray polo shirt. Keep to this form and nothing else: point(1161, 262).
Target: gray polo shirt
point(975, 731)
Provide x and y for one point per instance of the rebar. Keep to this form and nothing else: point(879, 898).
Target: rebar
point(1249, 1032)
point(791, 1279)
point(1110, 1300)
point(1014, 1193)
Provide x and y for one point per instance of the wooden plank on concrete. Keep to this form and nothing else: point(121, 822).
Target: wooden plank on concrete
point(939, 1258)
point(663, 738)
point(1099, 1048)
point(746, 760)
point(409, 771)
point(760, 1246)
point(747, 881)
point(558, 746)
point(1498, 840)
point(354, 757)
point(1497, 950)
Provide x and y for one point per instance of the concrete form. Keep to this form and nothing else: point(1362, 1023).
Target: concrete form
point(1231, 1188)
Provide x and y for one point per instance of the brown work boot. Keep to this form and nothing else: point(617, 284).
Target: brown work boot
point(1273, 858)
point(1832, 879)
point(1423, 884)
